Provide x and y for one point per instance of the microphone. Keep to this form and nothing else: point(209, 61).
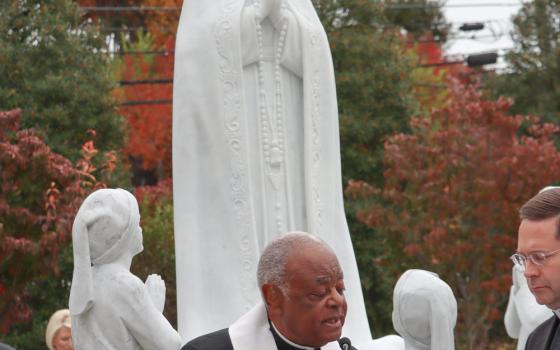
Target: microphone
point(345, 343)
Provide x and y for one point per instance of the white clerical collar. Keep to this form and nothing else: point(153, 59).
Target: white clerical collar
point(288, 341)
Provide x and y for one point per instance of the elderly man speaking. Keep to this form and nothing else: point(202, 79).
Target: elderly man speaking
point(303, 307)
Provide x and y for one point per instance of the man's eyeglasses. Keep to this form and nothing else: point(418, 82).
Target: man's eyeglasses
point(537, 258)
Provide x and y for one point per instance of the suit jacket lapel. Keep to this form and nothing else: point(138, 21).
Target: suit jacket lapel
point(551, 330)
point(541, 338)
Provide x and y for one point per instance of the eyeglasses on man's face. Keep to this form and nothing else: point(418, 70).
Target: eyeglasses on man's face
point(536, 258)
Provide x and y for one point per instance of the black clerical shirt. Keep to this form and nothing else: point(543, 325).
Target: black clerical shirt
point(220, 340)
point(280, 343)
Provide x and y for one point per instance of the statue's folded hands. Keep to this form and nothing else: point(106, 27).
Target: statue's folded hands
point(156, 289)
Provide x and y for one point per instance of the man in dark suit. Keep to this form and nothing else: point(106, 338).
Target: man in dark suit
point(303, 307)
point(538, 255)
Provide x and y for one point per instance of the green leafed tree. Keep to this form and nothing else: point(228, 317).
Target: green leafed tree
point(534, 63)
point(375, 100)
point(373, 81)
point(156, 210)
point(418, 17)
point(53, 67)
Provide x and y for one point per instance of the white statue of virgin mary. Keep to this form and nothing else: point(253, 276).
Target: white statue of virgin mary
point(255, 153)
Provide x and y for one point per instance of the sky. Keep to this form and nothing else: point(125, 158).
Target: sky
point(496, 15)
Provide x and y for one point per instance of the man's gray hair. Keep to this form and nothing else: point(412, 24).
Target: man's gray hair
point(276, 254)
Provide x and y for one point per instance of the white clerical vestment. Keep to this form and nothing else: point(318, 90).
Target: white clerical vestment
point(252, 331)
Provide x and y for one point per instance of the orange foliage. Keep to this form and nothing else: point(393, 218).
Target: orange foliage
point(431, 75)
point(160, 23)
point(163, 25)
point(149, 125)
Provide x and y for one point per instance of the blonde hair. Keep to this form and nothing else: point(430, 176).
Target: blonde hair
point(58, 320)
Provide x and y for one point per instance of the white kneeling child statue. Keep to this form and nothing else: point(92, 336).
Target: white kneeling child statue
point(523, 313)
point(424, 311)
point(111, 308)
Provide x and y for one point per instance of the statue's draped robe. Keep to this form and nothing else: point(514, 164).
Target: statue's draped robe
point(111, 309)
point(240, 179)
point(523, 313)
point(123, 316)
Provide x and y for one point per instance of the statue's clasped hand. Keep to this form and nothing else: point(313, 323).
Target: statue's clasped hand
point(271, 9)
point(156, 289)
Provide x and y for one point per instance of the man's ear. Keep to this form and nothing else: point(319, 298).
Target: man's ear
point(272, 296)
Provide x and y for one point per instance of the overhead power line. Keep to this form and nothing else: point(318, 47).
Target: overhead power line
point(472, 60)
point(110, 30)
point(441, 64)
point(387, 6)
point(129, 9)
point(146, 102)
point(145, 81)
point(460, 25)
point(410, 42)
point(451, 38)
point(466, 4)
point(144, 52)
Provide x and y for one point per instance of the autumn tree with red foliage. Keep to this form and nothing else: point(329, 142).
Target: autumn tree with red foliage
point(433, 70)
point(163, 25)
point(149, 125)
point(40, 192)
point(453, 187)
